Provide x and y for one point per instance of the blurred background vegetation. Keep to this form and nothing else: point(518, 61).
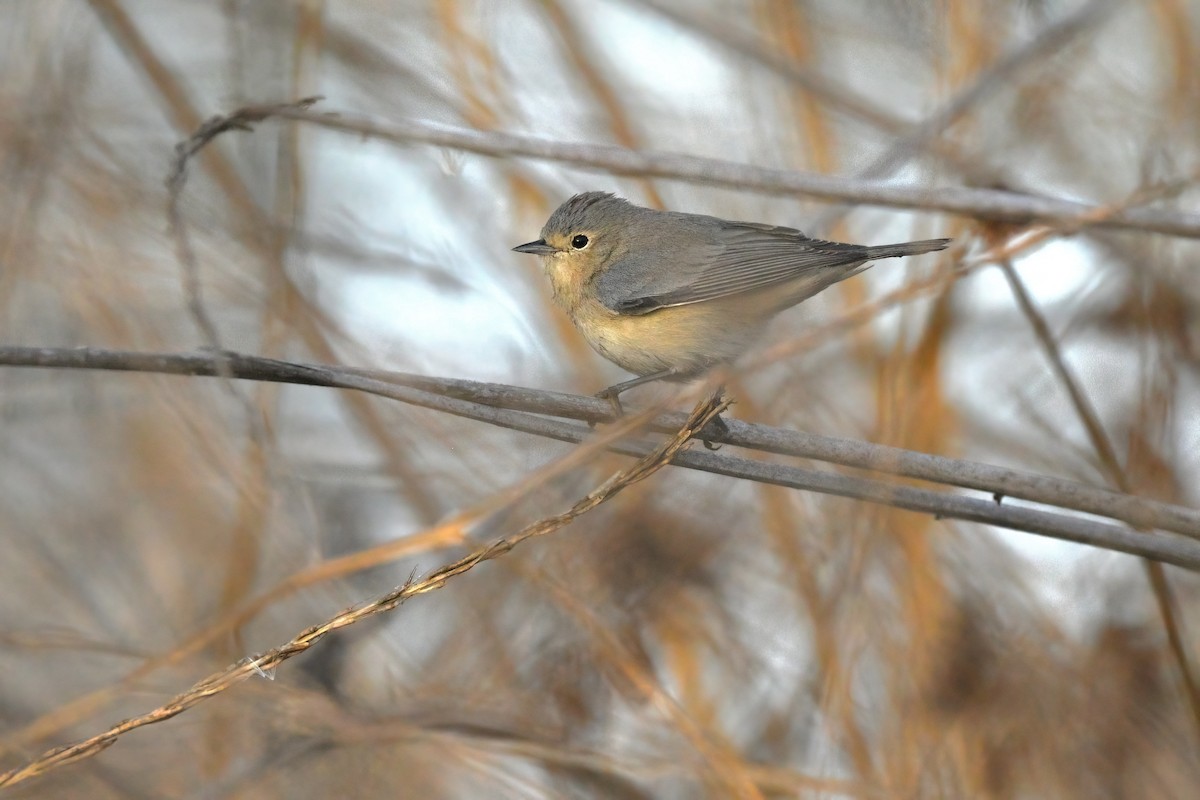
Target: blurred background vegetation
point(696, 637)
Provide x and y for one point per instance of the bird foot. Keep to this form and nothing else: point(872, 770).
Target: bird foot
point(715, 429)
point(613, 398)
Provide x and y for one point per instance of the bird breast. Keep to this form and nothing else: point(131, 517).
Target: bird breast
point(686, 339)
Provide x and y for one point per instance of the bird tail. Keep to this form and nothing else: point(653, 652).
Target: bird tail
point(906, 249)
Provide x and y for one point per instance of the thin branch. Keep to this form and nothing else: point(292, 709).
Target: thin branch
point(1167, 548)
point(927, 135)
point(184, 251)
point(193, 289)
point(1155, 574)
point(264, 664)
point(451, 532)
point(997, 481)
point(1052, 39)
point(185, 151)
point(987, 204)
point(1110, 464)
point(168, 90)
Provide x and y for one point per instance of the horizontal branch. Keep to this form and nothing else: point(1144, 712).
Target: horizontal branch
point(988, 204)
point(485, 405)
point(997, 481)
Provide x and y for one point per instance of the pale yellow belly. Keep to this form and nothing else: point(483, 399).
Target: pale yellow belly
point(686, 339)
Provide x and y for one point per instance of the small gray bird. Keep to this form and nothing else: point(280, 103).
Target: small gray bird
point(667, 295)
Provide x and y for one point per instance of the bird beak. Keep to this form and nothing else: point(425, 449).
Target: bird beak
point(538, 248)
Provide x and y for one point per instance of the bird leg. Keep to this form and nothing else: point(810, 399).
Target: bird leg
point(613, 393)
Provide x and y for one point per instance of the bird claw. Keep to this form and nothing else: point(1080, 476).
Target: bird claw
point(614, 400)
point(716, 428)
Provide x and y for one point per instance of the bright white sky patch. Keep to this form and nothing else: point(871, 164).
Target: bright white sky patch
point(1052, 273)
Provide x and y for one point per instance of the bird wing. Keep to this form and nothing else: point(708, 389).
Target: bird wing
point(726, 258)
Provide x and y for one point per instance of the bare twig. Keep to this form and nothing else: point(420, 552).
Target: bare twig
point(1166, 547)
point(176, 179)
point(170, 92)
point(988, 204)
point(1109, 462)
point(992, 480)
point(189, 266)
point(1051, 40)
point(1155, 574)
point(927, 134)
point(265, 664)
point(447, 533)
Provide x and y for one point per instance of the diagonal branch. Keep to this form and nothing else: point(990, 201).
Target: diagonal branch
point(1155, 574)
point(927, 135)
point(264, 664)
point(1052, 39)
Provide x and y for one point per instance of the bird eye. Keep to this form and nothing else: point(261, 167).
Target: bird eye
point(579, 242)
